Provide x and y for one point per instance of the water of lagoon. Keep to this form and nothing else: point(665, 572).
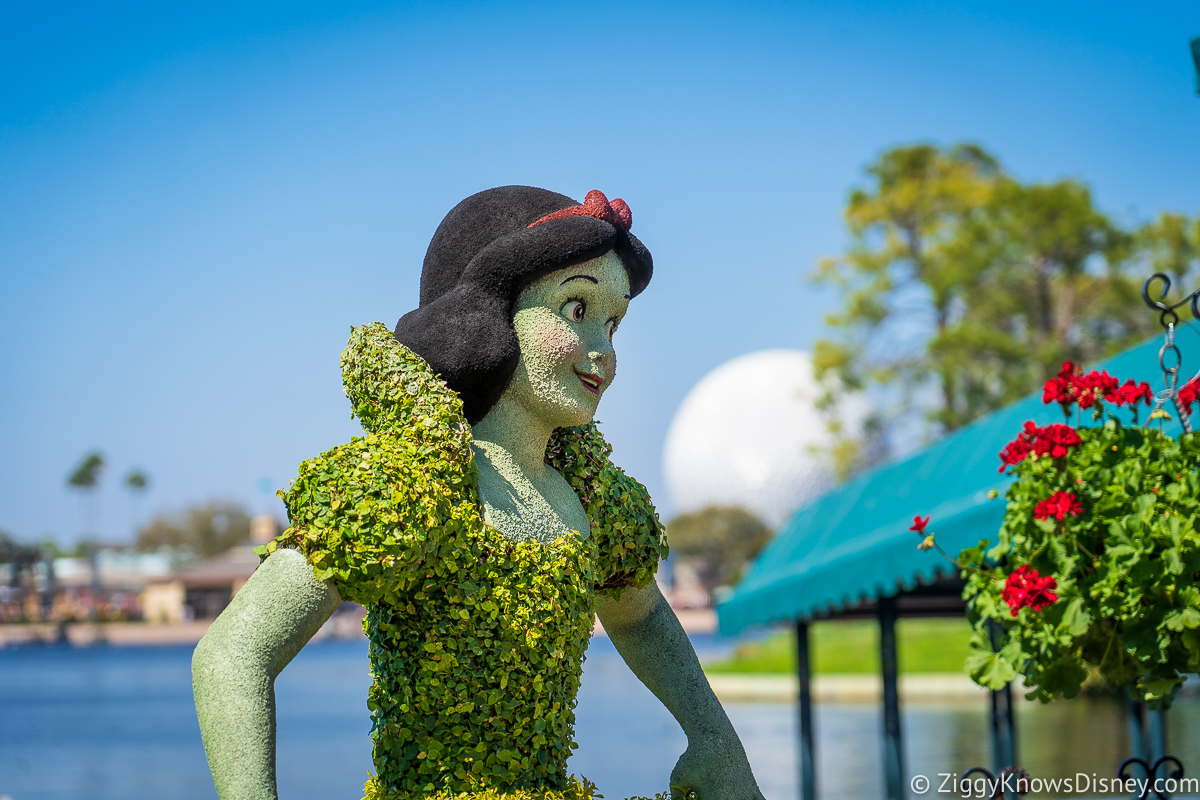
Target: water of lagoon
point(112, 723)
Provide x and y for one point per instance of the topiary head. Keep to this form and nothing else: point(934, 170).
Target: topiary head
point(490, 261)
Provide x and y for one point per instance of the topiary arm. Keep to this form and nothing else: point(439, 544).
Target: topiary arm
point(235, 665)
point(649, 637)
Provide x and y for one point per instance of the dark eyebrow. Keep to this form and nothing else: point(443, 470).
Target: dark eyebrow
point(575, 277)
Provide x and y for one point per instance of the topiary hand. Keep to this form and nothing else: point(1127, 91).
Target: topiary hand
point(649, 637)
point(714, 767)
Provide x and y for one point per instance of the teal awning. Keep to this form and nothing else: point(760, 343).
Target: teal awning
point(853, 544)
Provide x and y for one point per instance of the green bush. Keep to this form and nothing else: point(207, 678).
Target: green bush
point(719, 540)
point(576, 789)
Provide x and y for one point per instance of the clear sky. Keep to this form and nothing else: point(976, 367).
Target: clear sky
point(197, 201)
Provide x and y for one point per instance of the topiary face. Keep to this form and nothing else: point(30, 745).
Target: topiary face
point(564, 323)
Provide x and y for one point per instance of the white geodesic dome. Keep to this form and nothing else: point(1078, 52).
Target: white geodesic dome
point(749, 434)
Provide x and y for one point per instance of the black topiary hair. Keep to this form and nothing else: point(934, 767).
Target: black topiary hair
point(488, 249)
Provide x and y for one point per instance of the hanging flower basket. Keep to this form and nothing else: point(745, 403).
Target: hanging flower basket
point(1097, 563)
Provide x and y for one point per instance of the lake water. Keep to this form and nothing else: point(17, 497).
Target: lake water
point(112, 723)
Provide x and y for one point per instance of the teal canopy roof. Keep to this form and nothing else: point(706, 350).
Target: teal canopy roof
point(854, 544)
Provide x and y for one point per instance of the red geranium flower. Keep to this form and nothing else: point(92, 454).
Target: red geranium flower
point(1096, 385)
point(1015, 451)
point(1132, 392)
point(1187, 394)
point(1026, 588)
point(1062, 388)
point(1056, 390)
point(1056, 440)
point(1058, 505)
point(1071, 386)
point(919, 524)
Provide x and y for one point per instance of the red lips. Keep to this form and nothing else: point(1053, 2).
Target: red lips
point(590, 381)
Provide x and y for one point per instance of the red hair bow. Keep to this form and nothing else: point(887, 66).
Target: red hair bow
point(595, 205)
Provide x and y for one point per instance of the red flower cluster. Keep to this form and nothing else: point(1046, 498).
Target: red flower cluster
point(1015, 451)
point(1025, 588)
point(1188, 393)
point(1053, 440)
point(1130, 393)
point(919, 524)
point(1058, 505)
point(1071, 386)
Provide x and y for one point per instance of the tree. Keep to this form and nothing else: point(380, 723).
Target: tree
point(137, 482)
point(204, 530)
point(719, 541)
point(86, 478)
point(22, 560)
point(1171, 245)
point(963, 289)
point(17, 554)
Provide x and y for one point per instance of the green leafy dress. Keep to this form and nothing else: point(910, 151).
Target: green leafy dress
point(476, 641)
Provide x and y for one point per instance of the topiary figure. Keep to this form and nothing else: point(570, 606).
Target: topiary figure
point(481, 522)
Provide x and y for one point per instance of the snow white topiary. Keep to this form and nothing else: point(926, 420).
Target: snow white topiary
point(453, 612)
point(482, 523)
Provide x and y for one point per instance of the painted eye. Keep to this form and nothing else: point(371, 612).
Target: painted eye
point(574, 310)
point(612, 328)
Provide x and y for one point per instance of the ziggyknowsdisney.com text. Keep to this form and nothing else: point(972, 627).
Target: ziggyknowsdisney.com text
point(1080, 783)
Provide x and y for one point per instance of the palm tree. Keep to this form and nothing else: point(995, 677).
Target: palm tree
point(137, 482)
point(86, 478)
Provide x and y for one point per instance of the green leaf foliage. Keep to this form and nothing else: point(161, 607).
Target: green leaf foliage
point(87, 474)
point(575, 790)
point(476, 641)
point(1126, 568)
point(1011, 278)
point(625, 527)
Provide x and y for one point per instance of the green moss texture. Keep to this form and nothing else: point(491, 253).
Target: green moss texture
point(476, 641)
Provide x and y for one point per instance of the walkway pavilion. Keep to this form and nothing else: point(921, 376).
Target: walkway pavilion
point(850, 553)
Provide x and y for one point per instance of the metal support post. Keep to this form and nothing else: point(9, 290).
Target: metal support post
point(807, 763)
point(893, 745)
point(1003, 726)
point(1157, 736)
point(1003, 732)
point(1139, 742)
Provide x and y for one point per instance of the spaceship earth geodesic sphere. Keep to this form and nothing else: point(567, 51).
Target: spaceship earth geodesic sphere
point(749, 434)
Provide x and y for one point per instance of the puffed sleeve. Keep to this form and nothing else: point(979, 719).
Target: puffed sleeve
point(625, 527)
point(371, 515)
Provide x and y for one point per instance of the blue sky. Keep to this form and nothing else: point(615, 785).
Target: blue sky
point(198, 201)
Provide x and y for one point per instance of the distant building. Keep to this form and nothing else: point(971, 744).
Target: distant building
point(687, 590)
point(163, 602)
point(111, 571)
point(203, 591)
point(103, 587)
point(210, 585)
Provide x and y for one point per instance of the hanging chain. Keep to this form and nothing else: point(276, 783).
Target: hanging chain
point(1171, 377)
point(1169, 351)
